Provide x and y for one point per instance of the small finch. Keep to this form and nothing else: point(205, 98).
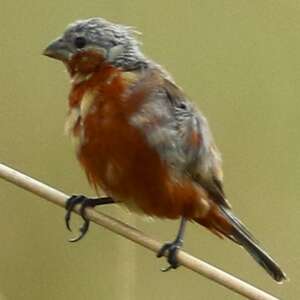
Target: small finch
point(140, 139)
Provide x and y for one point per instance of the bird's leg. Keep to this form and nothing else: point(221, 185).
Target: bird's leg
point(85, 202)
point(170, 249)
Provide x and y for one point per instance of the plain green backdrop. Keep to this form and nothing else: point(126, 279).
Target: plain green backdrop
point(239, 61)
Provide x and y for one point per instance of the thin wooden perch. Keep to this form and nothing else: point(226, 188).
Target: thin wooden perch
point(185, 259)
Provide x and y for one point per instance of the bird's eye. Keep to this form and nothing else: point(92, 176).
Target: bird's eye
point(182, 105)
point(80, 42)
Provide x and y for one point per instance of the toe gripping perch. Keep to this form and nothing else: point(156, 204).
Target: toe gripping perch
point(170, 249)
point(85, 202)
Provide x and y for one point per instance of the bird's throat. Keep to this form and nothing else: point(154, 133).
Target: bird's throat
point(85, 62)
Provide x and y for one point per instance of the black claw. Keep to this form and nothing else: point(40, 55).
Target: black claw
point(85, 202)
point(83, 230)
point(70, 204)
point(170, 250)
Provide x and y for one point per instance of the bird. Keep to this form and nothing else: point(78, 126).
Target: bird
point(141, 140)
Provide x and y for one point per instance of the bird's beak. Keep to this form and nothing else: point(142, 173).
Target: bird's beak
point(58, 49)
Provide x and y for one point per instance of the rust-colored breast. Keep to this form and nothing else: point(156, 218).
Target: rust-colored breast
point(116, 155)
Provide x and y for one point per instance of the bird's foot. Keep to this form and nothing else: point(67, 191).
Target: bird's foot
point(85, 202)
point(170, 250)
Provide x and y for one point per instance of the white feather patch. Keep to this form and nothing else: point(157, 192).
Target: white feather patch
point(71, 120)
point(86, 102)
point(79, 77)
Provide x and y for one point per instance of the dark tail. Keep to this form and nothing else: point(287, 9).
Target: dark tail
point(243, 237)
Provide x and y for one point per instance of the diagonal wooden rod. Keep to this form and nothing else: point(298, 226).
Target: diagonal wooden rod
point(59, 198)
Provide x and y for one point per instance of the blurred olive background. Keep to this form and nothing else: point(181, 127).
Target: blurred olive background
point(239, 60)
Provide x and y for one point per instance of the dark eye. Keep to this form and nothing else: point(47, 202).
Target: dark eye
point(80, 42)
point(182, 105)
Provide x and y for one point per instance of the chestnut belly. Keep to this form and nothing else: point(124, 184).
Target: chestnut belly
point(118, 159)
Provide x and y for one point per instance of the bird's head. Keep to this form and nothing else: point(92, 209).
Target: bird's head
point(87, 44)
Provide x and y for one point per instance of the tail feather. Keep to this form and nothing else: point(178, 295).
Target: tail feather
point(238, 224)
point(243, 237)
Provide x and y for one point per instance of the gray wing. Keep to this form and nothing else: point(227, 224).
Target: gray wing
point(203, 160)
point(181, 135)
